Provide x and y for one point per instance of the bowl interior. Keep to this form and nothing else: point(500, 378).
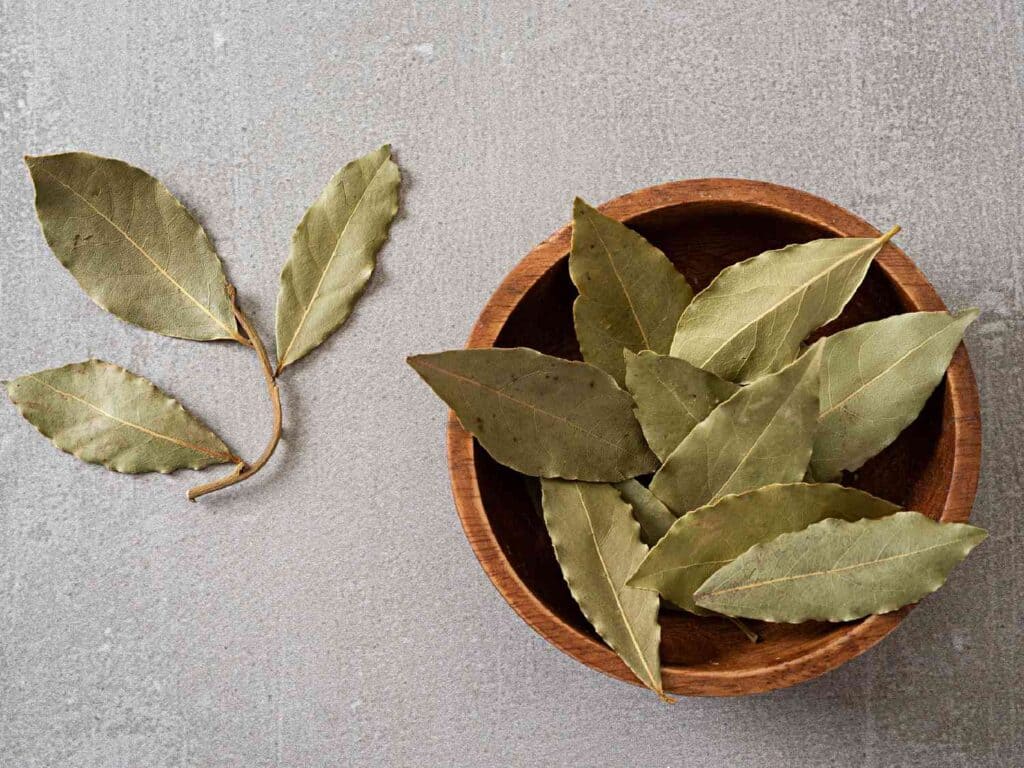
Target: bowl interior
point(701, 239)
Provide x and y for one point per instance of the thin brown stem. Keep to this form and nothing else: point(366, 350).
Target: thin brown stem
point(243, 470)
point(750, 634)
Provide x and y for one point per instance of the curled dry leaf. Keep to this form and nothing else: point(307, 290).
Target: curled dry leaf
point(597, 544)
point(875, 379)
point(839, 571)
point(753, 316)
point(106, 415)
point(654, 517)
point(630, 294)
point(763, 434)
point(672, 397)
point(132, 246)
point(709, 538)
point(334, 252)
point(541, 415)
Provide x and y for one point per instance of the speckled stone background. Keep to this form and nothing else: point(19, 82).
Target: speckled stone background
point(331, 611)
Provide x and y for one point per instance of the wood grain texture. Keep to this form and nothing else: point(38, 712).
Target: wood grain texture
point(704, 225)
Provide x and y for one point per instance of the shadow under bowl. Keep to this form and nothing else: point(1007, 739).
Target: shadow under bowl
point(704, 225)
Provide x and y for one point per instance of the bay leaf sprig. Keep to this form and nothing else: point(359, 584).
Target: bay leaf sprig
point(720, 397)
point(137, 251)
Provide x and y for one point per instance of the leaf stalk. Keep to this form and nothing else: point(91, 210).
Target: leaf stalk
point(243, 470)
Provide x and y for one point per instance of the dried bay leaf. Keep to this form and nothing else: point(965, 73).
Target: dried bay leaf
point(753, 316)
point(541, 415)
point(672, 397)
point(630, 294)
point(597, 544)
point(654, 517)
point(875, 379)
point(839, 571)
point(763, 434)
point(333, 253)
point(134, 249)
point(709, 538)
point(107, 415)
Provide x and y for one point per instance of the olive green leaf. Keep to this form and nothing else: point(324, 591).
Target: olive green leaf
point(763, 434)
point(875, 379)
point(838, 571)
point(106, 415)
point(334, 252)
point(132, 246)
point(751, 319)
point(654, 517)
point(630, 294)
point(713, 536)
point(597, 543)
point(672, 397)
point(541, 415)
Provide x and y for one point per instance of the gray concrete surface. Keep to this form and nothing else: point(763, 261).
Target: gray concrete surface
point(331, 612)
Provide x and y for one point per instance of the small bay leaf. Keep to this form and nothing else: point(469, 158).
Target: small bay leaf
point(597, 544)
point(106, 415)
point(875, 379)
point(709, 538)
point(672, 397)
point(752, 317)
point(630, 294)
point(334, 252)
point(654, 517)
point(839, 571)
point(541, 415)
point(132, 246)
point(763, 434)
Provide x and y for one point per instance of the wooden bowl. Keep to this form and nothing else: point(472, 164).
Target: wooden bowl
point(704, 225)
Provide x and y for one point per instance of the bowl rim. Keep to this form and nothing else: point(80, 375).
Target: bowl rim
point(914, 289)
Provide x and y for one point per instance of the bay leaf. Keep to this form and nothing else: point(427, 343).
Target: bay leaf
point(132, 246)
point(107, 415)
point(654, 517)
point(875, 379)
point(763, 434)
point(753, 316)
point(541, 415)
point(630, 294)
point(839, 571)
point(333, 253)
point(709, 538)
point(672, 397)
point(597, 544)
